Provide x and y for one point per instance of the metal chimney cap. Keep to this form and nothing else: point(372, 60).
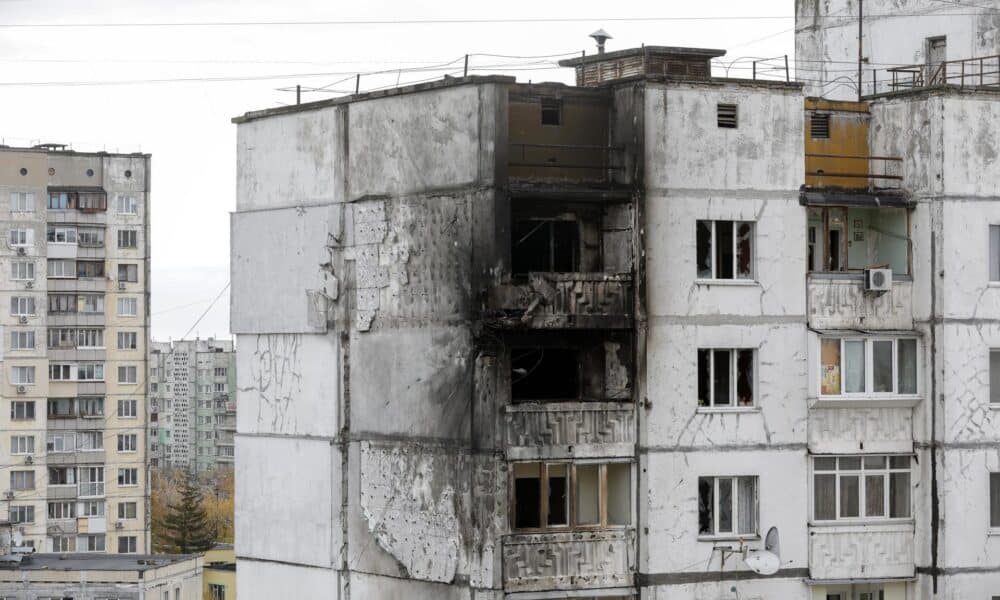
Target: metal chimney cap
point(601, 36)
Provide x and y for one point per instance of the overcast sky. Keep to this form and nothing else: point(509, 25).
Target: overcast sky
point(83, 86)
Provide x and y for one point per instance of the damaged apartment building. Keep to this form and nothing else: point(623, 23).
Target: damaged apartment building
point(616, 339)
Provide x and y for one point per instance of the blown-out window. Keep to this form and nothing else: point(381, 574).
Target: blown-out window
point(725, 377)
point(563, 495)
point(725, 249)
point(727, 505)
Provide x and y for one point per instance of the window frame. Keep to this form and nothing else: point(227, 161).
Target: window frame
point(126, 403)
point(27, 336)
point(715, 534)
point(127, 204)
point(128, 477)
point(734, 376)
point(869, 367)
point(28, 370)
point(22, 202)
point(571, 511)
point(29, 308)
point(862, 473)
point(712, 252)
point(28, 266)
point(128, 302)
point(994, 525)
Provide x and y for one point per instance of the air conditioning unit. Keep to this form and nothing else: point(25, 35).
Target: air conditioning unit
point(22, 390)
point(29, 284)
point(29, 460)
point(121, 285)
point(878, 280)
point(23, 320)
point(21, 251)
point(119, 524)
point(8, 495)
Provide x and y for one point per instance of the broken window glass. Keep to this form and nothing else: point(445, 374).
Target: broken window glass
point(588, 507)
point(704, 250)
point(744, 377)
point(724, 249)
point(551, 109)
point(545, 246)
point(527, 493)
point(705, 377)
point(854, 239)
point(558, 495)
point(545, 374)
point(727, 505)
point(706, 505)
point(619, 494)
point(994, 499)
point(716, 371)
point(720, 377)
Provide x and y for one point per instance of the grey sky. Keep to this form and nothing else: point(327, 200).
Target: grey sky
point(185, 125)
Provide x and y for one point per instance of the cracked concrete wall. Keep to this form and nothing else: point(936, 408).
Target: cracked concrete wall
point(357, 250)
point(698, 171)
point(826, 33)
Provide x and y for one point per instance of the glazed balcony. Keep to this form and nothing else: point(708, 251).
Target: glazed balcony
point(569, 429)
point(569, 560)
point(862, 551)
point(564, 301)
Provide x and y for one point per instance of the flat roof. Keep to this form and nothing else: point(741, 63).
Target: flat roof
point(707, 53)
point(96, 562)
point(48, 149)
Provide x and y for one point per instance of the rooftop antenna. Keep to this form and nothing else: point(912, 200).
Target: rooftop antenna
point(600, 36)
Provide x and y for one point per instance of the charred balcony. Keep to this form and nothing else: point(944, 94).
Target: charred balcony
point(569, 267)
point(558, 136)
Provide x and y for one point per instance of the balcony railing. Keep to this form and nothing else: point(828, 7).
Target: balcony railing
point(564, 300)
point(982, 71)
point(863, 551)
point(570, 560)
point(853, 171)
point(569, 429)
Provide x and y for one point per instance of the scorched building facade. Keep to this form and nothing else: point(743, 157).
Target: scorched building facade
point(541, 341)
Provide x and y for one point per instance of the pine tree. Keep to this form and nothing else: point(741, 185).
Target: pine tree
point(186, 527)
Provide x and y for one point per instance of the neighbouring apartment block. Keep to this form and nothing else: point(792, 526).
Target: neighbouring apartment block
point(74, 273)
point(192, 411)
point(541, 341)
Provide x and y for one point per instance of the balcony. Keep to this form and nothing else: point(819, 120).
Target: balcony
point(839, 301)
point(863, 551)
point(977, 72)
point(570, 560)
point(569, 429)
point(853, 171)
point(565, 162)
point(564, 300)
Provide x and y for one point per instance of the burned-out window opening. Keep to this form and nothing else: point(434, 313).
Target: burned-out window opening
point(724, 249)
point(565, 496)
point(726, 377)
point(727, 506)
point(844, 239)
point(551, 111)
point(995, 377)
point(545, 373)
point(727, 116)
point(876, 366)
point(819, 126)
point(861, 487)
point(995, 500)
point(545, 246)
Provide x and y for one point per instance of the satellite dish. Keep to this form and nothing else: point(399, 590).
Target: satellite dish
point(767, 561)
point(771, 541)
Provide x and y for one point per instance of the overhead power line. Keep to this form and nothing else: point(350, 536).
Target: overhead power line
point(484, 21)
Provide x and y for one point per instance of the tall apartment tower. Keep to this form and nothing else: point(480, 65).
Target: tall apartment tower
point(928, 125)
point(75, 275)
point(192, 413)
point(521, 341)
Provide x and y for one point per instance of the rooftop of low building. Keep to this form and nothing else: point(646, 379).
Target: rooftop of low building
point(91, 561)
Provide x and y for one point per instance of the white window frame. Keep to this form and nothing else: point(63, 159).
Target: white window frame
point(23, 306)
point(734, 509)
point(128, 442)
point(127, 205)
point(21, 339)
point(90, 371)
point(67, 233)
point(99, 542)
point(713, 244)
point(66, 268)
point(126, 370)
point(862, 473)
point(22, 375)
point(22, 444)
point(128, 408)
point(128, 306)
point(128, 477)
point(123, 510)
point(733, 379)
point(18, 237)
point(869, 364)
point(22, 202)
point(124, 339)
point(22, 270)
point(130, 544)
point(130, 237)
